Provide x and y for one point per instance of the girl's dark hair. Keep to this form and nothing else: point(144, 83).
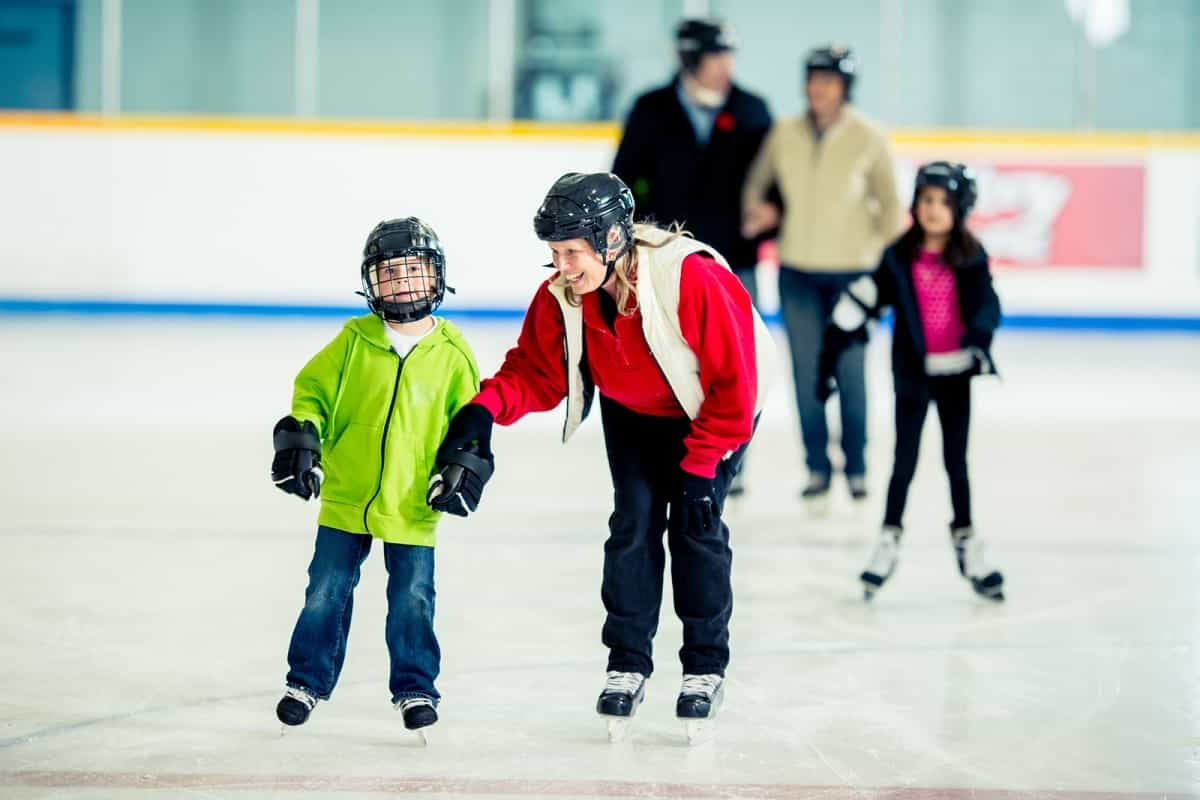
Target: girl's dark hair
point(960, 249)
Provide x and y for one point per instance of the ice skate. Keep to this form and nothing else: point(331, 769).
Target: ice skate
point(883, 561)
point(623, 693)
point(815, 495)
point(699, 700)
point(294, 707)
point(419, 714)
point(986, 580)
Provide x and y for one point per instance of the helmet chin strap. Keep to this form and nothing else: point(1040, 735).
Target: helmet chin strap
point(609, 268)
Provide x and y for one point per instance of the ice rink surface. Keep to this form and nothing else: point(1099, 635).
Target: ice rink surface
point(151, 576)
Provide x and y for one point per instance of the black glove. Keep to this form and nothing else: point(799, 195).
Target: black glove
point(458, 485)
point(471, 425)
point(464, 462)
point(697, 508)
point(296, 468)
point(977, 342)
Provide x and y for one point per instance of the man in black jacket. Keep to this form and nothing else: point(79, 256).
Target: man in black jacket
point(687, 145)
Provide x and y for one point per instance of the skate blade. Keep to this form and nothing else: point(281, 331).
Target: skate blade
point(698, 731)
point(421, 736)
point(288, 730)
point(870, 589)
point(618, 728)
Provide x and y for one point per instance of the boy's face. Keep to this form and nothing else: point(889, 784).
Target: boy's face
point(934, 212)
point(406, 279)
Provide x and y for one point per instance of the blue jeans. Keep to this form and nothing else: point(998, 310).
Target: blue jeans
point(807, 300)
point(318, 645)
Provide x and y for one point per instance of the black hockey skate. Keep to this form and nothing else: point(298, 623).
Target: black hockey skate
point(419, 713)
point(623, 693)
point(699, 700)
point(295, 706)
point(972, 564)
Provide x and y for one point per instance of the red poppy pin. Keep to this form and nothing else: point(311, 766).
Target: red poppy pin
point(725, 122)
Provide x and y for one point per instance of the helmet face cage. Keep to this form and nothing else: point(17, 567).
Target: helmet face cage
point(957, 179)
point(403, 271)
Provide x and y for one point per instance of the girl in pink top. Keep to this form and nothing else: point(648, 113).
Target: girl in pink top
point(936, 278)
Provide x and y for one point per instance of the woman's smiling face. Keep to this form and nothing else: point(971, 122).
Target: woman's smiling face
point(579, 264)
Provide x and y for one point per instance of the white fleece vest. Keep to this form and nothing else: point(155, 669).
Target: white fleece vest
point(659, 270)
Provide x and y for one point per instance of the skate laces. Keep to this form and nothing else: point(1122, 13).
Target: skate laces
point(304, 697)
point(410, 702)
point(704, 685)
point(623, 682)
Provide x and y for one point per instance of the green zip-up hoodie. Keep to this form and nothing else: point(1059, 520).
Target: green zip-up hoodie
point(381, 419)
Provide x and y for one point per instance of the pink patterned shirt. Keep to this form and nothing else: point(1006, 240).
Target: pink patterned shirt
point(937, 300)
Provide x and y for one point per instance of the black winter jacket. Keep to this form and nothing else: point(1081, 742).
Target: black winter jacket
point(977, 302)
point(674, 179)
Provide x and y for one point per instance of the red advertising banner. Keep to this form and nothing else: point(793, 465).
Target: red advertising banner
point(1055, 215)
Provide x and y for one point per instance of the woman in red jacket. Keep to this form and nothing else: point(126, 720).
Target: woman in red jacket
point(660, 325)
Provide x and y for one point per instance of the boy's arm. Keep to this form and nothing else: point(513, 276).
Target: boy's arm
point(456, 485)
point(296, 466)
point(315, 388)
point(464, 385)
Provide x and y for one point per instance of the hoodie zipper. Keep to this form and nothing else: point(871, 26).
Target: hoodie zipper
point(383, 443)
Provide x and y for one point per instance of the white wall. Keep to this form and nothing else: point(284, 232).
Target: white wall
point(256, 216)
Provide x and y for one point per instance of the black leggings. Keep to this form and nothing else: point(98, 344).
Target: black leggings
point(952, 394)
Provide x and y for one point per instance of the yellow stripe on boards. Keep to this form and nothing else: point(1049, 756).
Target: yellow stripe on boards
point(905, 139)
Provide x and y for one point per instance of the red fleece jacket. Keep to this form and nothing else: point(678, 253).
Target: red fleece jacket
point(717, 323)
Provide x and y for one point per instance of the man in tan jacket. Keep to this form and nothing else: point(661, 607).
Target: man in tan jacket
point(834, 172)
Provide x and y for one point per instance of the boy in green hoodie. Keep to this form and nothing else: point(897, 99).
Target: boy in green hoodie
point(368, 414)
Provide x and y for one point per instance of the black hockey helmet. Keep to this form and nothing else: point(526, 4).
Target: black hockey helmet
point(836, 59)
point(403, 238)
point(586, 206)
point(957, 179)
point(696, 37)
